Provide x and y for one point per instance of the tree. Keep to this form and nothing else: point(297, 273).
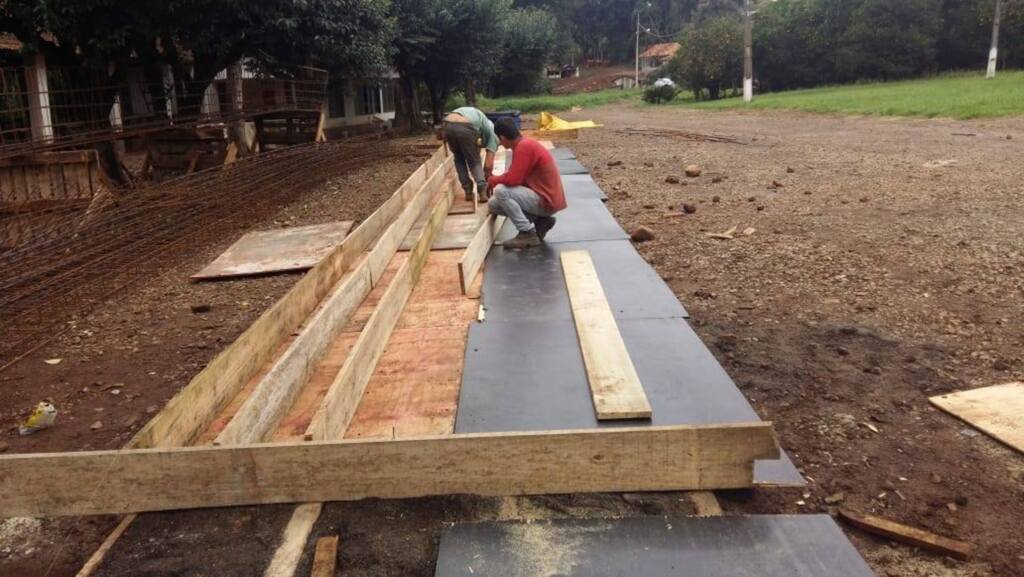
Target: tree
point(710, 58)
point(887, 40)
point(530, 37)
point(445, 44)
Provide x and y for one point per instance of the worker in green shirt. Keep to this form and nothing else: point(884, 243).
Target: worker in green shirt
point(467, 130)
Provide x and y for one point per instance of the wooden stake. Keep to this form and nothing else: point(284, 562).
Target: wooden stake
point(908, 535)
point(325, 557)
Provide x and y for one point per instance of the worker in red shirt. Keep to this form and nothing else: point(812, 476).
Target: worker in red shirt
point(530, 192)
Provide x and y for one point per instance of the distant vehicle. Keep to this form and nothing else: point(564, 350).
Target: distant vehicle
point(664, 82)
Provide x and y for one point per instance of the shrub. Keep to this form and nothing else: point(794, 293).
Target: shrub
point(659, 94)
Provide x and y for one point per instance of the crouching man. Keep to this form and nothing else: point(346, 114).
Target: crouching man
point(530, 192)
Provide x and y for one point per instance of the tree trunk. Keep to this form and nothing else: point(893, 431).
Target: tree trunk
point(471, 93)
point(407, 106)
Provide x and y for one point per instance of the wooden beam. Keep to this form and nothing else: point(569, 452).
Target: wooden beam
point(705, 503)
point(339, 405)
point(325, 557)
point(195, 406)
point(476, 253)
point(274, 394)
point(614, 384)
point(293, 541)
point(552, 135)
point(522, 463)
point(908, 535)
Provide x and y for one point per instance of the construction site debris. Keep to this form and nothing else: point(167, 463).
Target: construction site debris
point(908, 535)
point(727, 235)
point(42, 417)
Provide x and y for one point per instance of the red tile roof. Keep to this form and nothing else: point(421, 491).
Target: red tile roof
point(663, 50)
point(9, 41)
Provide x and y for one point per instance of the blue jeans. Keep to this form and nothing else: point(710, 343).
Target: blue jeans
point(520, 204)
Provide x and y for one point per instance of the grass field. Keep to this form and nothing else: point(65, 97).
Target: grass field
point(952, 96)
point(550, 102)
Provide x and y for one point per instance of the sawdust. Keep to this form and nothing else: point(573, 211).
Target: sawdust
point(18, 533)
point(905, 562)
point(540, 549)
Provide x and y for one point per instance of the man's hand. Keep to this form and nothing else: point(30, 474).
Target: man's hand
point(489, 164)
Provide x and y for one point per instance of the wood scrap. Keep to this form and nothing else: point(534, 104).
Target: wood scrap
point(727, 235)
point(908, 535)
point(325, 557)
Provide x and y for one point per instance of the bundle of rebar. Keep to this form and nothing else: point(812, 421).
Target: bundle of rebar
point(79, 258)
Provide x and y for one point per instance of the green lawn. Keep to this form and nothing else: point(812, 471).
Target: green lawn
point(951, 96)
point(550, 102)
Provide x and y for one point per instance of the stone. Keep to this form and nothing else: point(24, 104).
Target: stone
point(842, 351)
point(760, 207)
point(1001, 365)
point(835, 498)
point(201, 308)
point(671, 180)
point(96, 426)
point(716, 199)
point(642, 234)
point(614, 163)
point(751, 198)
point(693, 171)
point(716, 180)
point(689, 208)
point(790, 170)
point(777, 184)
point(3, 447)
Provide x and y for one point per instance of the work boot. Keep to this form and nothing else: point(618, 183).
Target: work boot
point(524, 240)
point(544, 224)
point(481, 189)
point(469, 193)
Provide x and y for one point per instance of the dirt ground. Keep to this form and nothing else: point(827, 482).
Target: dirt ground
point(885, 266)
point(123, 362)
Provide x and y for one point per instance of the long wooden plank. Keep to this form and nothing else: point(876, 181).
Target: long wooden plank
point(476, 253)
point(293, 541)
point(521, 463)
point(614, 384)
point(275, 393)
point(192, 409)
point(339, 405)
point(997, 410)
point(909, 535)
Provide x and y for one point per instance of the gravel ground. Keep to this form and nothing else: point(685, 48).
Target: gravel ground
point(884, 263)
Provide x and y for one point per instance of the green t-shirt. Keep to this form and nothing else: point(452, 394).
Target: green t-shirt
point(482, 124)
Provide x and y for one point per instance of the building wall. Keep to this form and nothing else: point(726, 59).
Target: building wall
point(352, 102)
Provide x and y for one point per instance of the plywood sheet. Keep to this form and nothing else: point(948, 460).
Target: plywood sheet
point(281, 250)
point(998, 411)
point(458, 230)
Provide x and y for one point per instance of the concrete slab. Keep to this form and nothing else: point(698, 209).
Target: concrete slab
point(529, 375)
point(766, 546)
point(529, 284)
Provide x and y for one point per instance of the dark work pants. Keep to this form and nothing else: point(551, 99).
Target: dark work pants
point(462, 141)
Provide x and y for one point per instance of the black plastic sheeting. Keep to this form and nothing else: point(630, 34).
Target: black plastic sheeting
point(762, 546)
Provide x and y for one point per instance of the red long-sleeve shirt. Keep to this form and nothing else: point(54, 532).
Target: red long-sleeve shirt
point(535, 168)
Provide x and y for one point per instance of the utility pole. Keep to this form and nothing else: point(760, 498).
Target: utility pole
point(748, 52)
point(993, 53)
point(636, 78)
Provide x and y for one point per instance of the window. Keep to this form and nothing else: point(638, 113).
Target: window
point(336, 99)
